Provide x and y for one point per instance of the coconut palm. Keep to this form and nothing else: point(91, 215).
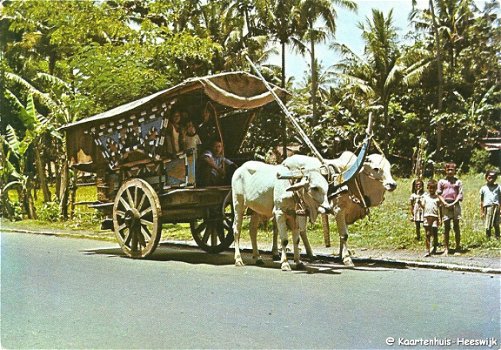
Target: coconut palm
point(282, 20)
point(385, 68)
point(447, 21)
point(311, 12)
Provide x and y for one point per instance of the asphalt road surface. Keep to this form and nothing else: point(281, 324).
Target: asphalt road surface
point(72, 293)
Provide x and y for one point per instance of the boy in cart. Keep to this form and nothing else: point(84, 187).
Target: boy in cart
point(215, 169)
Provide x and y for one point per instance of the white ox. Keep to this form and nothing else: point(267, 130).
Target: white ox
point(255, 186)
point(366, 190)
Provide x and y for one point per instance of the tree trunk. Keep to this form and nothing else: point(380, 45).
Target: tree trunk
point(42, 178)
point(73, 191)
point(64, 189)
point(28, 201)
point(58, 180)
point(440, 88)
point(7, 208)
point(386, 121)
point(283, 65)
point(283, 126)
point(313, 79)
point(50, 175)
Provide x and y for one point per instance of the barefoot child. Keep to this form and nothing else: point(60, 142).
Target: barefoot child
point(490, 198)
point(415, 207)
point(432, 215)
point(451, 190)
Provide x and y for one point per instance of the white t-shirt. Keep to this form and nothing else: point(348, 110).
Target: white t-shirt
point(431, 205)
point(192, 141)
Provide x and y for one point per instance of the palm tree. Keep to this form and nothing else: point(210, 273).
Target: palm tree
point(311, 12)
point(386, 67)
point(282, 20)
point(447, 21)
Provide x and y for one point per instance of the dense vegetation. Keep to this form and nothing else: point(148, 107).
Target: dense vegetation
point(62, 61)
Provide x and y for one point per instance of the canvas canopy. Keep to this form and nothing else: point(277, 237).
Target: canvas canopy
point(227, 93)
point(236, 90)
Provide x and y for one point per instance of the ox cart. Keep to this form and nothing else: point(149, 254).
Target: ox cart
point(141, 185)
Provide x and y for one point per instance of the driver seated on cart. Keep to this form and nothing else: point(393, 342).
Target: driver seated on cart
point(214, 168)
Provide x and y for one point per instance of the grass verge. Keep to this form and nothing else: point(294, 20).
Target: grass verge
point(387, 227)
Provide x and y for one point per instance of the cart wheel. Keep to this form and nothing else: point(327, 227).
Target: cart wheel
point(136, 218)
point(214, 233)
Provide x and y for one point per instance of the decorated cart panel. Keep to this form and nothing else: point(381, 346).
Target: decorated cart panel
point(143, 181)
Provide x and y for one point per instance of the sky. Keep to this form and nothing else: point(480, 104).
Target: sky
point(349, 34)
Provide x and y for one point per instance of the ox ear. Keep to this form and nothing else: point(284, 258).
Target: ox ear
point(296, 187)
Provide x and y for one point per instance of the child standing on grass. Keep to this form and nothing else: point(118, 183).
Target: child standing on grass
point(415, 207)
point(490, 198)
point(451, 189)
point(432, 215)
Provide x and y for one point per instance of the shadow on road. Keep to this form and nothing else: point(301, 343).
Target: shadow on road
point(195, 256)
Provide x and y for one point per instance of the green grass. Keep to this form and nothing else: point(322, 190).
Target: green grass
point(388, 227)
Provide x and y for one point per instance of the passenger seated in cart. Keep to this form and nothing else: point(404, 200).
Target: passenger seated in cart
point(214, 168)
point(191, 138)
point(207, 129)
point(174, 135)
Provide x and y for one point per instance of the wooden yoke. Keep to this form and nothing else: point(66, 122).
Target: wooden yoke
point(296, 180)
point(291, 175)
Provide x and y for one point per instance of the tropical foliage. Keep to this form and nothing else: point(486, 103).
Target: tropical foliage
point(62, 61)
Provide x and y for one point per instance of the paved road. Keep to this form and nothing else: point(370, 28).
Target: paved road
point(72, 293)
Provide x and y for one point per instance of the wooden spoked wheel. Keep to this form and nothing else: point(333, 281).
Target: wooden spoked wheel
point(214, 233)
point(136, 218)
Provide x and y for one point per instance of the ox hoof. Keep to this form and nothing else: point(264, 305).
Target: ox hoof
point(286, 266)
point(239, 263)
point(259, 262)
point(300, 266)
point(348, 262)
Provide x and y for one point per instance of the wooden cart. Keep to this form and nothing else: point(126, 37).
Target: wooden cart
point(141, 185)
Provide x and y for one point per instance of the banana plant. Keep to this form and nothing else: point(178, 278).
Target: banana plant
point(17, 148)
point(57, 103)
point(36, 127)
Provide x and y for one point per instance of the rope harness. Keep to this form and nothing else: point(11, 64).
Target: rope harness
point(359, 196)
point(300, 207)
point(294, 177)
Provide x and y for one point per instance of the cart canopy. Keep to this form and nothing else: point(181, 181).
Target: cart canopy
point(234, 97)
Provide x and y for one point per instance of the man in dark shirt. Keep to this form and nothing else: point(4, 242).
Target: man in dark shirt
point(215, 169)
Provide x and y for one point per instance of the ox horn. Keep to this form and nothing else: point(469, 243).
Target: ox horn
point(301, 184)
